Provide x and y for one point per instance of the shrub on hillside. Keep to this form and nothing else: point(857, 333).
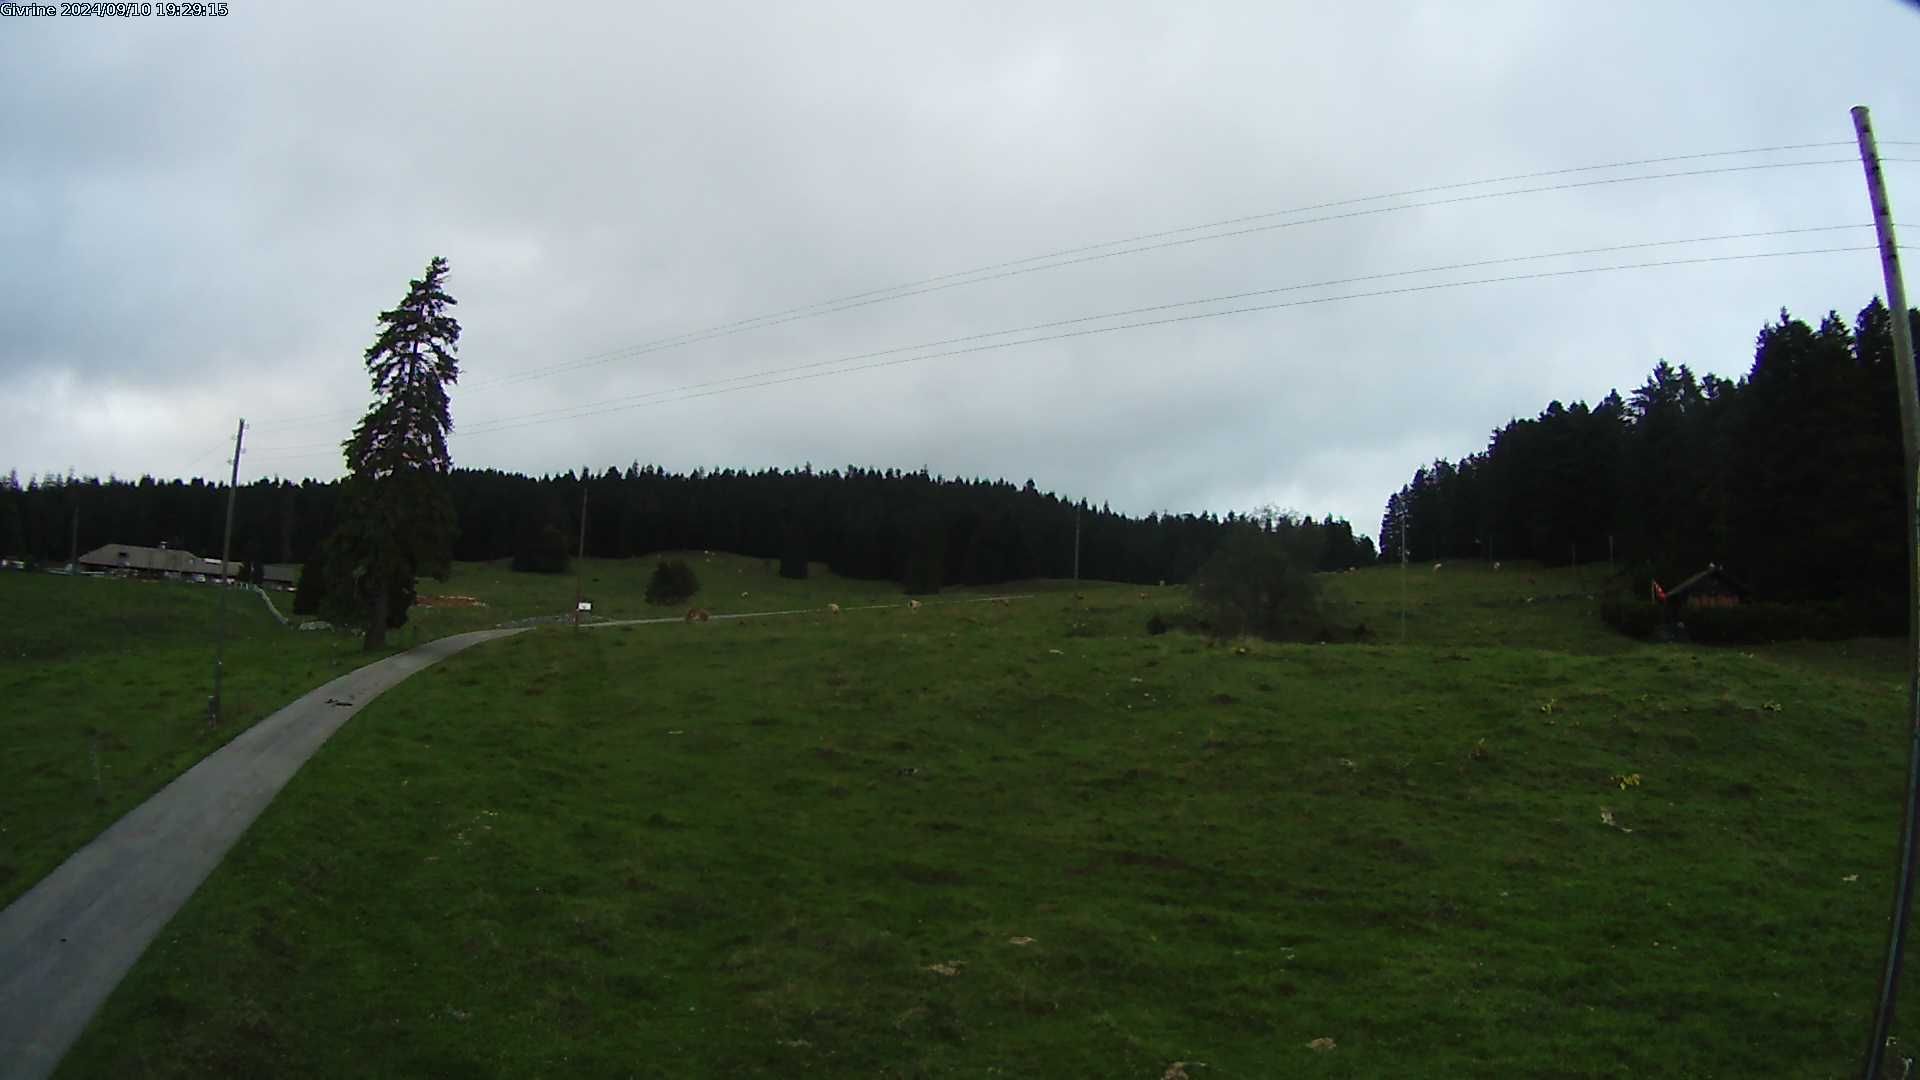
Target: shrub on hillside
point(1255, 583)
point(672, 582)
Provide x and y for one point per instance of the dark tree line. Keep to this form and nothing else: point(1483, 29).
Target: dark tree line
point(1790, 476)
point(274, 520)
point(864, 523)
point(923, 530)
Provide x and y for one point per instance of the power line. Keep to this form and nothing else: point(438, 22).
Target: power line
point(482, 426)
point(201, 455)
point(804, 311)
point(1301, 210)
point(598, 411)
point(1013, 267)
point(614, 405)
point(1194, 318)
point(1159, 245)
point(569, 411)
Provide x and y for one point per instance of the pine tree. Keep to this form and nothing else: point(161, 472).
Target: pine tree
point(396, 518)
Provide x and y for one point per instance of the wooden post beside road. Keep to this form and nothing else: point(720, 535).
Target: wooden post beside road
point(220, 617)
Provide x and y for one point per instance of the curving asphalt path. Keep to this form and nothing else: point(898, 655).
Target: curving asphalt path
point(68, 941)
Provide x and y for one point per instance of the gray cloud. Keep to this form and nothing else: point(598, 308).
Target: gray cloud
point(200, 219)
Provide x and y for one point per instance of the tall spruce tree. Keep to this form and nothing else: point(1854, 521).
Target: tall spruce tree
point(396, 517)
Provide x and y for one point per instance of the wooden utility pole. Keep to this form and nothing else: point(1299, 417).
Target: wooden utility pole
point(1903, 361)
point(577, 598)
point(226, 584)
point(1403, 573)
point(73, 556)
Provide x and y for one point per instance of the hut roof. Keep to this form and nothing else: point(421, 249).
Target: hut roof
point(1705, 582)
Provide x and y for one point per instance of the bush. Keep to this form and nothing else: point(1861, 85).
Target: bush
point(672, 582)
point(1255, 584)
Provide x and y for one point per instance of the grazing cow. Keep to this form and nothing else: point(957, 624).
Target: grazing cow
point(833, 609)
point(1496, 565)
point(1143, 596)
point(1437, 566)
point(699, 615)
point(743, 596)
point(914, 605)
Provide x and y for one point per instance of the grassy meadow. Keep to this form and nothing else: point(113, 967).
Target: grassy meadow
point(105, 680)
point(103, 699)
point(1033, 840)
point(729, 584)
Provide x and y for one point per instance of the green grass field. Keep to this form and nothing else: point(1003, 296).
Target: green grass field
point(106, 680)
point(104, 685)
point(1032, 840)
point(729, 584)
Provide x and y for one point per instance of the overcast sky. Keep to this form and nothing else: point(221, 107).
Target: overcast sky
point(201, 217)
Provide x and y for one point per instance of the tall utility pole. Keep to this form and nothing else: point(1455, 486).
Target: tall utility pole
point(1403, 573)
point(73, 557)
point(220, 617)
point(584, 474)
point(1903, 361)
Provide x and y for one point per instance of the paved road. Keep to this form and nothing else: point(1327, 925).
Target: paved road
point(68, 942)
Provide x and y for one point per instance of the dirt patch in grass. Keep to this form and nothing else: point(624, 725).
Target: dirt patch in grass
point(448, 600)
